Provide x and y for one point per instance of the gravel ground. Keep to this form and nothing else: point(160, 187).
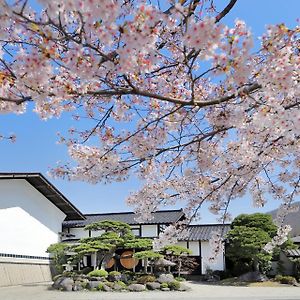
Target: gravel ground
point(199, 291)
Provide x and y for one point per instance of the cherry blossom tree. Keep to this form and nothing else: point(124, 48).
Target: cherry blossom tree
point(176, 97)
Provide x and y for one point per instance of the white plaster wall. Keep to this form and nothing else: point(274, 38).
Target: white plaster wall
point(206, 253)
point(182, 244)
point(29, 222)
point(94, 260)
point(84, 259)
point(97, 233)
point(194, 247)
point(79, 233)
point(149, 231)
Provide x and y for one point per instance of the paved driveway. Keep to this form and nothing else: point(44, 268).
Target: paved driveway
point(199, 291)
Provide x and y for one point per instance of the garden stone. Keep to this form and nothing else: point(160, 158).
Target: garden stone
point(77, 286)
point(212, 278)
point(57, 282)
point(183, 287)
point(67, 284)
point(153, 285)
point(94, 284)
point(124, 278)
point(165, 278)
point(84, 282)
point(117, 287)
point(114, 277)
point(165, 289)
point(136, 287)
point(253, 277)
point(295, 283)
point(106, 288)
point(97, 278)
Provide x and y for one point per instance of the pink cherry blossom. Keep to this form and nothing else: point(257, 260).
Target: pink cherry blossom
point(177, 98)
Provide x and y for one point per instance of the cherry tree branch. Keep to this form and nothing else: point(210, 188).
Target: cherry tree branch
point(225, 11)
point(243, 91)
point(16, 101)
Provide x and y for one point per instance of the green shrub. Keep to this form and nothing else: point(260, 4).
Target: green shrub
point(174, 285)
point(114, 273)
point(163, 285)
point(84, 285)
point(146, 278)
point(69, 274)
point(179, 278)
point(98, 273)
point(110, 284)
point(122, 284)
point(288, 280)
point(56, 277)
point(285, 279)
point(59, 257)
point(100, 286)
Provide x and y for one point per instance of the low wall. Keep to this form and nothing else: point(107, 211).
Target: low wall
point(18, 271)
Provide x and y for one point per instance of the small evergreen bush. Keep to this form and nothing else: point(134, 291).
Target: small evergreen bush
point(98, 273)
point(56, 277)
point(109, 284)
point(114, 273)
point(146, 278)
point(163, 285)
point(100, 287)
point(122, 284)
point(285, 279)
point(69, 274)
point(84, 285)
point(174, 285)
point(179, 278)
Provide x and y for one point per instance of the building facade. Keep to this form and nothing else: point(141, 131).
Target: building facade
point(32, 211)
point(197, 239)
point(34, 214)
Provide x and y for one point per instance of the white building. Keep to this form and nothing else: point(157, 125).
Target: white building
point(34, 214)
point(31, 214)
point(197, 239)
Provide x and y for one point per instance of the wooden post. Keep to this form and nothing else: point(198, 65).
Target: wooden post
point(134, 258)
point(145, 264)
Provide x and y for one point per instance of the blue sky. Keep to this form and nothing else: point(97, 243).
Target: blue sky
point(36, 149)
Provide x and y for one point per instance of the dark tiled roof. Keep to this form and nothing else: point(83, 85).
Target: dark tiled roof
point(204, 232)
point(40, 183)
point(292, 253)
point(159, 217)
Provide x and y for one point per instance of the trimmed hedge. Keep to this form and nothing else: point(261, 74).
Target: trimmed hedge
point(146, 278)
point(174, 285)
point(286, 279)
point(98, 273)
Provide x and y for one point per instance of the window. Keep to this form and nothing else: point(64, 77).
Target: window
point(136, 230)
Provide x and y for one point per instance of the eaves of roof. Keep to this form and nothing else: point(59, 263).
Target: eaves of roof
point(47, 189)
point(159, 217)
